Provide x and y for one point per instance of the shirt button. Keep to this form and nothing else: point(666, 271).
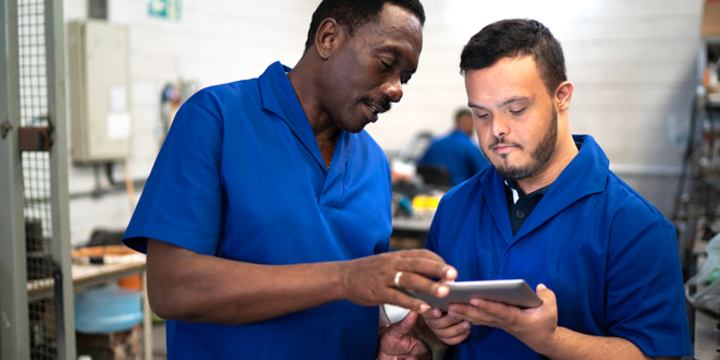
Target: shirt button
point(520, 214)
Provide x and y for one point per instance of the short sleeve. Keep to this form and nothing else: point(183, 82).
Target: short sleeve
point(645, 299)
point(182, 201)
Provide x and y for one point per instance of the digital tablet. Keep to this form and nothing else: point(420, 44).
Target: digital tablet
point(514, 292)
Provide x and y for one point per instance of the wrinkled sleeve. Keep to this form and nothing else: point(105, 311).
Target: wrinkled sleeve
point(182, 201)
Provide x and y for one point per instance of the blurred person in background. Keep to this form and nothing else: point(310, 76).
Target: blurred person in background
point(456, 152)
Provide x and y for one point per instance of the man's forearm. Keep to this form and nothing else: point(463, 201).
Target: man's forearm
point(570, 345)
point(184, 285)
point(192, 287)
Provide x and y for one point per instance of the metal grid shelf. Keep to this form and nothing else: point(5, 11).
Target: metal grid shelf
point(33, 190)
point(36, 178)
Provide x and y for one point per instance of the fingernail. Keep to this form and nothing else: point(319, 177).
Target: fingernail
point(541, 286)
point(465, 325)
point(442, 290)
point(451, 273)
point(452, 313)
point(437, 313)
point(424, 308)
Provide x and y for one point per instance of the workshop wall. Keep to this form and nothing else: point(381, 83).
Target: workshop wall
point(214, 42)
point(633, 64)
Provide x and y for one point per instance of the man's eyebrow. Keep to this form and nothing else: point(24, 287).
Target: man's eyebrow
point(395, 51)
point(390, 48)
point(506, 102)
point(474, 106)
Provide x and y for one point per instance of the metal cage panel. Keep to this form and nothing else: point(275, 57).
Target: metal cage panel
point(32, 80)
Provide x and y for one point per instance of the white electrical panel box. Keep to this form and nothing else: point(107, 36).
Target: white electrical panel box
point(99, 91)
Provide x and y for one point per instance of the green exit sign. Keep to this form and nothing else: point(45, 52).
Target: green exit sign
point(166, 9)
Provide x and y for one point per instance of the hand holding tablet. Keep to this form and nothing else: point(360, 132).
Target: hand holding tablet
point(514, 292)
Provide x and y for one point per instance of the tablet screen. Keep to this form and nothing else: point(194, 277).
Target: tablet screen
point(514, 292)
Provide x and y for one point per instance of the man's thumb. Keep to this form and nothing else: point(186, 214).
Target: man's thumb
point(406, 325)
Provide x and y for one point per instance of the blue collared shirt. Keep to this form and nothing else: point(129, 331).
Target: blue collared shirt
point(240, 176)
point(609, 256)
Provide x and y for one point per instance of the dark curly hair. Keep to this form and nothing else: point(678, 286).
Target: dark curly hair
point(352, 13)
point(517, 37)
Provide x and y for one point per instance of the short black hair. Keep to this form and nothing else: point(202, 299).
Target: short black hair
point(517, 37)
point(460, 112)
point(352, 13)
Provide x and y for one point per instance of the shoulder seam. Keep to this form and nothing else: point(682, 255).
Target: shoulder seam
point(634, 193)
point(206, 110)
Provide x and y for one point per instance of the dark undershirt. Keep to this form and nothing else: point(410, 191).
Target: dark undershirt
point(521, 210)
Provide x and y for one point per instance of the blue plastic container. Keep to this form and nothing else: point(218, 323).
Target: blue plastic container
point(106, 310)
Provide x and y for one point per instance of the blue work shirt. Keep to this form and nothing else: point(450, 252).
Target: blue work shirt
point(458, 154)
point(609, 256)
point(240, 176)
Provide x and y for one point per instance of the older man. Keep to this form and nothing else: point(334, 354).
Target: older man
point(266, 218)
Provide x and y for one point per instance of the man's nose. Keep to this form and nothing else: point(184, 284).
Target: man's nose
point(500, 126)
point(392, 90)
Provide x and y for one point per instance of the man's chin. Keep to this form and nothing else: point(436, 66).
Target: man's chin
point(354, 128)
point(514, 173)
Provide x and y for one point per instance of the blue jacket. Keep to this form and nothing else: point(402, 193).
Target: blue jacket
point(609, 256)
point(240, 176)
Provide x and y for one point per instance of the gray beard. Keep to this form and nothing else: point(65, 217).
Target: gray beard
point(540, 156)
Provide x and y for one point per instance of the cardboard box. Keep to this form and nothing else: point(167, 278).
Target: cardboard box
point(711, 19)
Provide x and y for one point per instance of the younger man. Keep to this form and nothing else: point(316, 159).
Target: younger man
point(549, 210)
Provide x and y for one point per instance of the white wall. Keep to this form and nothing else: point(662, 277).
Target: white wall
point(215, 42)
point(632, 62)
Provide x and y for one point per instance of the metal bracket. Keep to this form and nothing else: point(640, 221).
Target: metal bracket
point(34, 138)
point(37, 138)
point(4, 128)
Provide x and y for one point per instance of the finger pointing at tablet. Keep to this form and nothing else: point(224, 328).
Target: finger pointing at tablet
point(378, 279)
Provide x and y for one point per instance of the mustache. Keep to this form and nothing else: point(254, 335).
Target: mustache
point(501, 140)
point(382, 103)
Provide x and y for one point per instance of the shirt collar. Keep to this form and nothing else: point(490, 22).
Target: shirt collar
point(278, 96)
point(586, 174)
point(516, 191)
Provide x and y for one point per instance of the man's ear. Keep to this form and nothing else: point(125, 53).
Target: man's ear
point(563, 95)
point(327, 37)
